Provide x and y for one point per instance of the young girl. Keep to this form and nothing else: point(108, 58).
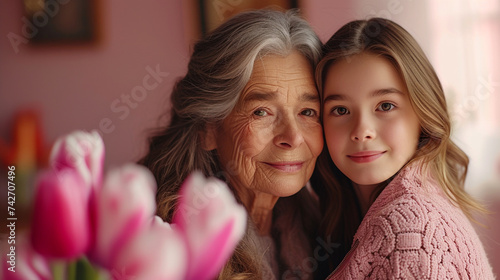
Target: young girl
point(394, 180)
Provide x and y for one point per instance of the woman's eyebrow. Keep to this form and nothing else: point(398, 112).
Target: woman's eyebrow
point(266, 96)
point(260, 96)
point(307, 97)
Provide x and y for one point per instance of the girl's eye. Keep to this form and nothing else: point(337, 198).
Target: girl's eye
point(340, 111)
point(260, 113)
point(309, 112)
point(385, 107)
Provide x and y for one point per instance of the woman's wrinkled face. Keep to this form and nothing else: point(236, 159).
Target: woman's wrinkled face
point(270, 141)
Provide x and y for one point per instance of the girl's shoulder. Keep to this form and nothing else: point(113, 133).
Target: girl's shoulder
point(411, 227)
point(411, 189)
point(414, 201)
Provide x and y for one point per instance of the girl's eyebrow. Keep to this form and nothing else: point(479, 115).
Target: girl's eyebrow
point(333, 97)
point(386, 91)
point(378, 92)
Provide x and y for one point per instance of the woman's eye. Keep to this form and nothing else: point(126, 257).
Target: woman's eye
point(386, 107)
point(260, 113)
point(309, 112)
point(340, 111)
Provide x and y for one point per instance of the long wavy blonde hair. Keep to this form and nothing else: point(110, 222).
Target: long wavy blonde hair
point(219, 69)
point(439, 154)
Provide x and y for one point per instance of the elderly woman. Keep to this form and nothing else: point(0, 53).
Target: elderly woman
point(247, 111)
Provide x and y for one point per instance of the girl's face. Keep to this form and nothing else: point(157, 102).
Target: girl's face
point(370, 126)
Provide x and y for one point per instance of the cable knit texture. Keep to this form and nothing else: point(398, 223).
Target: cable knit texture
point(413, 231)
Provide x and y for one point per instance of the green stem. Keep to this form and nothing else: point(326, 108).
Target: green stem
point(58, 270)
point(80, 269)
point(72, 270)
point(86, 271)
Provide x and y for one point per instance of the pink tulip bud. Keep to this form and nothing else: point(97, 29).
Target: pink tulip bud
point(60, 226)
point(123, 207)
point(83, 152)
point(24, 263)
point(159, 252)
point(212, 222)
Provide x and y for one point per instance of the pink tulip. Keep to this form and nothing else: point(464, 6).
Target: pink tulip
point(212, 223)
point(158, 252)
point(60, 227)
point(123, 207)
point(83, 152)
point(28, 264)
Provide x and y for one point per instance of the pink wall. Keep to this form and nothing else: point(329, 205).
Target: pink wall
point(326, 16)
point(75, 87)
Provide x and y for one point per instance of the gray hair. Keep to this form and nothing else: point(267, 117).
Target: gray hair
point(219, 69)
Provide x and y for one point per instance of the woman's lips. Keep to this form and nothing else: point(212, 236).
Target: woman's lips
point(286, 166)
point(365, 156)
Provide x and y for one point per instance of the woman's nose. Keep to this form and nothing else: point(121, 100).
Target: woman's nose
point(363, 129)
point(288, 133)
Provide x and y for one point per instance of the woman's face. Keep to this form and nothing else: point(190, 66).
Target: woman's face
point(370, 126)
point(270, 141)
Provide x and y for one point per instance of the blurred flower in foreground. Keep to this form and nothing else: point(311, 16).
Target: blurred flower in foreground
point(211, 221)
point(111, 222)
point(159, 252)
point(60, 227)
point(124, 207)
point(82, 152)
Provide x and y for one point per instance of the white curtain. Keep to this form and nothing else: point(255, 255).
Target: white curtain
point(465, 51)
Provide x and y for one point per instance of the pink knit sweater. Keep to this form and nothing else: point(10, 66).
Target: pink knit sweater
point(413, 231)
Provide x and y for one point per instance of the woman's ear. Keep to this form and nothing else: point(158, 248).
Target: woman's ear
point(208, 137)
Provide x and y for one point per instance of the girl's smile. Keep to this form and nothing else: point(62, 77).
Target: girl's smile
point(365, 156)
point(370, 126)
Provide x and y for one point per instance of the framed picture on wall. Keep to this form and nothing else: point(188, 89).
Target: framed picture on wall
point(214, 12)
point(69, 21)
